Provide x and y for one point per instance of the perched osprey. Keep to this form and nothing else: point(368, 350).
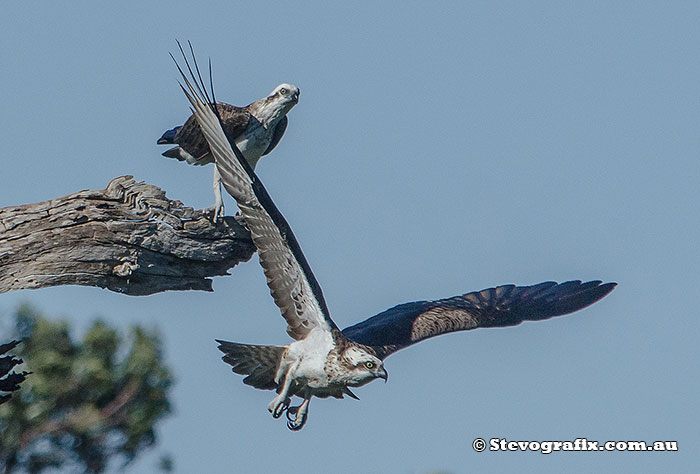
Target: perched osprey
point(256, 129)
point(324, 361)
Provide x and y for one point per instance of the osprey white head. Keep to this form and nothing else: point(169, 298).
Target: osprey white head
point(286, 92)
point(362, 367)
point(276, 105)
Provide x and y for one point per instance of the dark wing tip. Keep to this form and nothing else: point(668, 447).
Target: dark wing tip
point(223, 345)
point(541, 301)
point(574, 295)
point(606, 288)
point(601, 291)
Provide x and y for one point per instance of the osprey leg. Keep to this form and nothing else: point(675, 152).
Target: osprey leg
point(282, 400)
point(218, 199)
point(300, 413)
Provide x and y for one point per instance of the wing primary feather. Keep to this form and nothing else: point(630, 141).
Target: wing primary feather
point(189, 68)
point(184, 57)
point(199, 75)
point(213, 96)
point(182, 73)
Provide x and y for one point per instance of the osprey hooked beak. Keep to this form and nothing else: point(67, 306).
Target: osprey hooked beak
point(383, 375)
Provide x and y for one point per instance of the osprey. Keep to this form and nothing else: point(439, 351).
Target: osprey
point(325, 361)
point(256, 129)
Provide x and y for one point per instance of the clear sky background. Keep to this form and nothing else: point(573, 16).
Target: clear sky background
point(437, 148)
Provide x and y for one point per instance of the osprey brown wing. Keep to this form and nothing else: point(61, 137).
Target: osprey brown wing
point(505, 305)
point(189, 137)
point(277, 135)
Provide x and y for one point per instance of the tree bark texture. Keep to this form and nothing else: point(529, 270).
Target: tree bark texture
point(129, 238)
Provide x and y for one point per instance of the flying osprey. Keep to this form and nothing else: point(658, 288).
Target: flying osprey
point(256, 129)
point(324, 361)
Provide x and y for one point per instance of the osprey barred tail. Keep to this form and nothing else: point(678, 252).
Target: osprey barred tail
point(324, 361)
point(256, 129)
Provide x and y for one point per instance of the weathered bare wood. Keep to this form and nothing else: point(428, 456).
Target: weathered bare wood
point(129, 238)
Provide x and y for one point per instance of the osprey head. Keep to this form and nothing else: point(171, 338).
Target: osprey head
point(361, 366)
point(285, 93)
point(276, 105)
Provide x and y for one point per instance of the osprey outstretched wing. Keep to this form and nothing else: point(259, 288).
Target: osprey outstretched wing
point(292, 284)
point(507, 305)
point(324, 361)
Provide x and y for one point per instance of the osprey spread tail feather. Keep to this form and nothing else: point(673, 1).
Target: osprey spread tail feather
point(259, 363)
point(177, 152)
point(168, 137)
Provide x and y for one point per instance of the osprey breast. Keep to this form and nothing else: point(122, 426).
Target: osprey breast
point(310, 356)
point(254, 142)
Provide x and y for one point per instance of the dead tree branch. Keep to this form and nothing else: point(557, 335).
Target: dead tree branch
point(129, 238)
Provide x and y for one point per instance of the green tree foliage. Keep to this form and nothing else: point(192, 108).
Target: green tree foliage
point(86, 402)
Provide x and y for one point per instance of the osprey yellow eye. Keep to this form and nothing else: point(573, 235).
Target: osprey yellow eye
point(283, 91)
point(369, 365)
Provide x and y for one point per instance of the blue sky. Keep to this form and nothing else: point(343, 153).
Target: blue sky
point(436, 149)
